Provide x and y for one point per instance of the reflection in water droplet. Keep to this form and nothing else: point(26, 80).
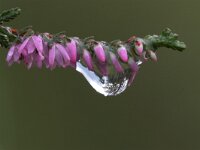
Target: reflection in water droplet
point(107, 85)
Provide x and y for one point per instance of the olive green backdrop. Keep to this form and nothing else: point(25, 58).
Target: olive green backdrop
point(57, 110)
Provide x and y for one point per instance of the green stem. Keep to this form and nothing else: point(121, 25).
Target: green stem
point(166, 39)
point(151, 42)
point(9, 14)
point(6, 35)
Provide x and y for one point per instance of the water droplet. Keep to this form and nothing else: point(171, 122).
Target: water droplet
point(110, 85)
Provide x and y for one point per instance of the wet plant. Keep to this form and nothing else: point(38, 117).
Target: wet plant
point(109, 67)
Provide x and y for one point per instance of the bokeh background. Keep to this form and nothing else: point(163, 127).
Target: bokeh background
point(48, 110)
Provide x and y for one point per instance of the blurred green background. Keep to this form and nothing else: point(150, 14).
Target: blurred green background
point(48, 110)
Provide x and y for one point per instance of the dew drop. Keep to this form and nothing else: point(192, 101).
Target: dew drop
point(110, 85)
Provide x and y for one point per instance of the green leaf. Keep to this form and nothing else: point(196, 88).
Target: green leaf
point(10, 14)
point(166, 39)
point(4, 41)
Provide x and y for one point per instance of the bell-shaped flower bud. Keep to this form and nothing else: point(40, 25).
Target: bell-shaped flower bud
point(122, 52)
point(58, 56)
point(116, 63)
point(72, 51)
point(152, 55)
point(138, 46)
point(99, 52)
point(87, 59)
point(134, 68)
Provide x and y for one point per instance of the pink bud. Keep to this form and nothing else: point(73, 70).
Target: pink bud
point(52, 55)
point(133, 66)
point(99, 51)
point(10, 53)
point(116, 63)
point(23, 45)
point(87, 59)
point(139, 47)
point(152, 55)
point(72, 51)
point(30, 46)
point(122, 52)
point(64, 54)
point(37, 40)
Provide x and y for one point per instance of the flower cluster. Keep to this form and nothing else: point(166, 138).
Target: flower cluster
point(34, 50)
point(118, 58)
point(30, 50)
point(117, 55)
point(51, 51)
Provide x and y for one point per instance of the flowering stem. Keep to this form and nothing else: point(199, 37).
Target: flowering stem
point(101, 52)
point(115, 60)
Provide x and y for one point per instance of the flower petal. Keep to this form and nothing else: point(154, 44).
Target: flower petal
point(52, 56)
point(46, 62)
point(38, 61)
point(22, 46)
point(152, 55)
point(16, 56)
point(122, 52)
point(72, 50)
point(133, 66)
point(64, 54)
point(45, 49)
point(139, 47)
point(28, 60)
point(10, 53)
point(99, 51)
point(38, 42)
point(41, 56)
point(87, 59)
point(116, 63)
point(59, 58)
point(30, 46)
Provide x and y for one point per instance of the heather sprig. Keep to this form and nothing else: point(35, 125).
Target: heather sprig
point(59, 50)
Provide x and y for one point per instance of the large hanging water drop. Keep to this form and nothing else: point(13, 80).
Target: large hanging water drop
point(110, 85)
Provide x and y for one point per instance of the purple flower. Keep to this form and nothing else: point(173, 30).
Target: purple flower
point(116, 63)
point(58, 56)
point(139, 47)
point(122, 52)
point(72, 51)
point(133, 65)
point(30, 51)
point(87, 59)
point(32, 44)
point(46, 54)
point(13, 55)
point(99, 51)
point(29, 60)
point(134, 68)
